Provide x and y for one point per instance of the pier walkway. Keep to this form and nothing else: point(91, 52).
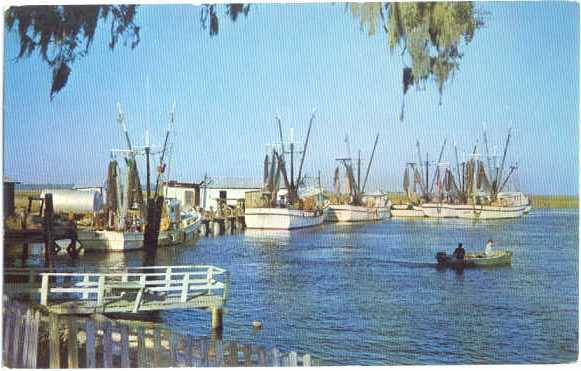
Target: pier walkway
point(133, 290)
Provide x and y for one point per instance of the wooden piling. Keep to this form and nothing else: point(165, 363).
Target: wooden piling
point(48, 226)
point(217, 323)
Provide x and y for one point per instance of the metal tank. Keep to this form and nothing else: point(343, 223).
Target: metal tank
point(76, 201)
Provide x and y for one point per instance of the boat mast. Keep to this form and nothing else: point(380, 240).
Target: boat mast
point(359, 169)
point(292, 153)
point(299, 178)
point(160, 169)
point(512, 169)
point(369, 164)
point(420, 158)
point(427, 194)
point(499, 174)
point(486, 147)
point(437, 171)
point(457, 162)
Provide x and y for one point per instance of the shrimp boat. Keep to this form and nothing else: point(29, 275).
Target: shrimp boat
point(123, 226)
point(410, 206)
point(273, 209)
point(354, 205)
point(479, 194)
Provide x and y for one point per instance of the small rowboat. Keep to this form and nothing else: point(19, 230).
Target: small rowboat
point(475, 259)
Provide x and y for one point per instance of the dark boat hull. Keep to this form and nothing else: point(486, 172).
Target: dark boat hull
point(475, 260)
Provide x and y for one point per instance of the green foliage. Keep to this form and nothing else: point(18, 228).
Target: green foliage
point(429, 35)
point(61, 34)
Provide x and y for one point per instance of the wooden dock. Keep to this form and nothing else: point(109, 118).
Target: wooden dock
point(35, 339)
point(133, 290)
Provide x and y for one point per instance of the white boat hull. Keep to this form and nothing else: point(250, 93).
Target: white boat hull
point(282, 219)
point(491, 212)
point(434, 210)
point(404, 212)
point(110, 240)
point(351, 213)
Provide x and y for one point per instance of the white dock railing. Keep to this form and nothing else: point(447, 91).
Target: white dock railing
point(176, 284)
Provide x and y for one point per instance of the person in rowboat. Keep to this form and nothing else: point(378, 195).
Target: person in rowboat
point(459, 252)
point(488, 249)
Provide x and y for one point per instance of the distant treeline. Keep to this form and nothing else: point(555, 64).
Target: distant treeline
point(539, 201)
point(43, 186)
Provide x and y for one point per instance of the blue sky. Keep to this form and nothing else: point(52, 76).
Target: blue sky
point(521, 70)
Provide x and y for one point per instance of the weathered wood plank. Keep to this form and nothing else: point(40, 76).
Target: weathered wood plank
point(72, 346)
point(173, 349)
point(203, 344)
point(188, 355)
point(292, 359)
point(261, 354)
point(275, 358)
point(219, 348)
point(107, 345)
point(9, 324)
point(124, 346)
point(26, 338)
point(247, 355)
point(91, 356)
point(54, 342)
point(156, 347)
point(141, 351)
point(33, 348)
point(233, 354)
point(16, 340)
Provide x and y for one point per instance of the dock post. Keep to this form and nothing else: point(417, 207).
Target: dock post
point(48, 229)
point(204, 228)
point(216, 227)
point(217, 323)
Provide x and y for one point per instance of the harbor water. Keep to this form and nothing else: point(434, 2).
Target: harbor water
point(370, 294)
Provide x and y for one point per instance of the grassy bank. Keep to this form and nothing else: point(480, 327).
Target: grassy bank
point(555, 202)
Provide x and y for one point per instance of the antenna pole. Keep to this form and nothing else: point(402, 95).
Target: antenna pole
point(370, 161)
